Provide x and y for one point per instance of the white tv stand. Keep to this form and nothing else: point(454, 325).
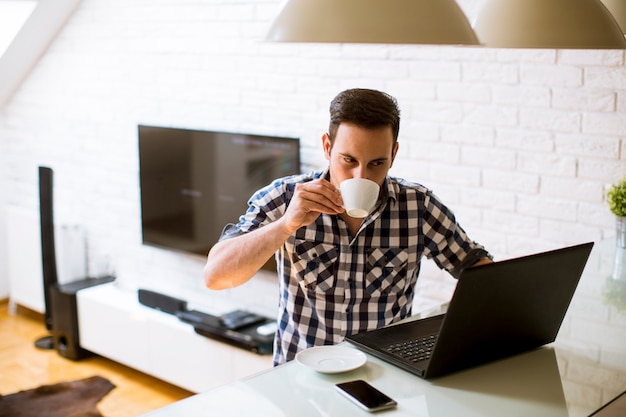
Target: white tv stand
point(112, 323)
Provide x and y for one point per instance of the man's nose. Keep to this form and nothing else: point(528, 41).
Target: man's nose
point(359, 172)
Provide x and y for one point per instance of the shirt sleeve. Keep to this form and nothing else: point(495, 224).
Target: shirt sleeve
point(445, 241)
point(265, 206)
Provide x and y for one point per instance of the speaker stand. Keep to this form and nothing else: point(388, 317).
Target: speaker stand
point(45, 343)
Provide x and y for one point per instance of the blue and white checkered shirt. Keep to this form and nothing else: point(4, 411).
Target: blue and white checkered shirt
point(333, 284)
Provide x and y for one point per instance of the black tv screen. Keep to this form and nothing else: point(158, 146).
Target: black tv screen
point(194, 182)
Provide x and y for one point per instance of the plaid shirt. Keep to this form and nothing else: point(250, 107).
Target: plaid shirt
point(333, 284)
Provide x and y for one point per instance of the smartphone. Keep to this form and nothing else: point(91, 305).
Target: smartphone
point(365, 395)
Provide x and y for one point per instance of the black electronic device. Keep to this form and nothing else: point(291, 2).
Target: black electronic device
point(238, 319)
point(61, 316)
point(497, 310)
point(366, 396)
point(161, 302)
point(48, 256)
point(65, 334)
point(195, 316)
point(194, 182)
point(254, 337)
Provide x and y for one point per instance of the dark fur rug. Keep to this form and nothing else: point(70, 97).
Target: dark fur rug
point(65, 399)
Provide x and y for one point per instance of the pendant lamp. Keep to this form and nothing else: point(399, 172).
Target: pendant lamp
point(373, 21)
point(618, 10)
point(559, 24)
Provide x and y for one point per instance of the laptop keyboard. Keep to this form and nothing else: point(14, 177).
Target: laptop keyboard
point(416, 350)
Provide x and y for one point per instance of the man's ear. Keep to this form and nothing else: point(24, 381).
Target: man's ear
point(326, 145)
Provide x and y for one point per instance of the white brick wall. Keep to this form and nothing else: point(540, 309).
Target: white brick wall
point(521, 143)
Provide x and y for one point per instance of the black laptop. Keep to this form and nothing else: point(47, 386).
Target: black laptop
point(497, 310)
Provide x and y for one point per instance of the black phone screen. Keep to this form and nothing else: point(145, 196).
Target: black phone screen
point(366, 395)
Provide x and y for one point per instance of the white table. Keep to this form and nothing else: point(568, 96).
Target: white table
point(583, 370)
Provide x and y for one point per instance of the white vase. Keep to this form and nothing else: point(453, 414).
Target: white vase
point(620, 232)
point(619, 265)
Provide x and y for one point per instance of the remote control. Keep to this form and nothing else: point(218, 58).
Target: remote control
point(239, 318)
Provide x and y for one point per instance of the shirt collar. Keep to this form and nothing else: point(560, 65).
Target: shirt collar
point(390, 189)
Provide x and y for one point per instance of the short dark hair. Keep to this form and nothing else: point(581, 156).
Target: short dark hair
point(370, 109)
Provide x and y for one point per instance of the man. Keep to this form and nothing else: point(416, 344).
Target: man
point(340, 275)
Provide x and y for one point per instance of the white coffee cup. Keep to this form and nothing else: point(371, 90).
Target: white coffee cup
point(359, 196)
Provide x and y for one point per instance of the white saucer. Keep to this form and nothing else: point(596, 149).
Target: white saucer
point(331, 359)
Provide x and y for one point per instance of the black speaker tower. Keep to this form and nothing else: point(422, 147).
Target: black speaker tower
point(61, 313)
point(48, 255)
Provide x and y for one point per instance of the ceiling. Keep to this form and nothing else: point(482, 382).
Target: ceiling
point(13, 14)
point(31, 26)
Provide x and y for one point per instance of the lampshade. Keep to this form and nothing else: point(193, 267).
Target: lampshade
point(373, 21)
point(560, 24)
point(618, 10)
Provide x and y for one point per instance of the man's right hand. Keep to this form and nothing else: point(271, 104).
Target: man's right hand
point(309, 201)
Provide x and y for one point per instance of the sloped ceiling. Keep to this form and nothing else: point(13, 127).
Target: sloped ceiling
point(30, 43)
point(13, 14)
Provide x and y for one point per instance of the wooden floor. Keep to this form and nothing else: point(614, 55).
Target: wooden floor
point(23, 366)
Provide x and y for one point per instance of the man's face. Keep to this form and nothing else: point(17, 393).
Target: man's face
point(359, 153)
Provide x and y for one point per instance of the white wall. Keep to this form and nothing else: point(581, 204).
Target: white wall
point(520, 143)
point(4, 269)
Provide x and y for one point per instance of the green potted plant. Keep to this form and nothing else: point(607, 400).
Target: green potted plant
point(616, 198)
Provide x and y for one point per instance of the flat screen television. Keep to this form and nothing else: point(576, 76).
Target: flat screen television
point(194, 182)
